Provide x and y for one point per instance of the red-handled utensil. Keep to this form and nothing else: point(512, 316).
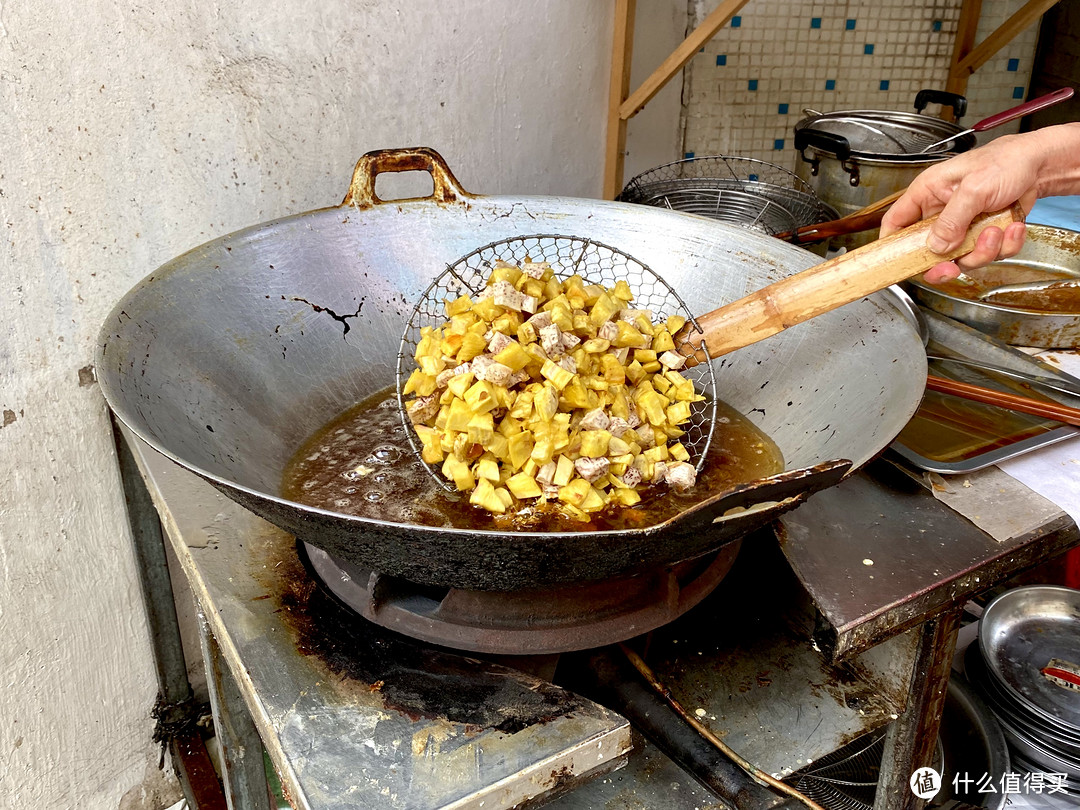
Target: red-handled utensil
point(1036, 104)
point(1035, 407)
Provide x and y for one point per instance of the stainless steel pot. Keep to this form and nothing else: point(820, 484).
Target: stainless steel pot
point(856, 157)
point(1054, 250)
point(226, 358)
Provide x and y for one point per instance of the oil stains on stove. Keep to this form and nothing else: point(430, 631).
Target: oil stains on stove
point(409, 677)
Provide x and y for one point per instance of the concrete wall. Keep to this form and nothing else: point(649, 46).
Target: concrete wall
point(131, 132)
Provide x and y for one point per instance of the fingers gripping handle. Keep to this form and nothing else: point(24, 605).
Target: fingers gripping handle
point(362, 195)
point(831, 284)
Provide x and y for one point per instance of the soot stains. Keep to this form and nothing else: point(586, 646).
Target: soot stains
point(416, 679)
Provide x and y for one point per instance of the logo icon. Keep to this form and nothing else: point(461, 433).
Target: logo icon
point(925, 783)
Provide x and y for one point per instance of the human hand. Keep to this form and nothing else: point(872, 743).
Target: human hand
point(989, 178)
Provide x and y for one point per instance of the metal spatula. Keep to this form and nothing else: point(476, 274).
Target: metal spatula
point(1006, 291)
point(1036, 104)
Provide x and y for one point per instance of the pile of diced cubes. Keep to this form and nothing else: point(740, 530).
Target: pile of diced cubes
point(550, 391)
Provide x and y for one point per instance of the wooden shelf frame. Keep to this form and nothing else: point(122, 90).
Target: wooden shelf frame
point(624, 105)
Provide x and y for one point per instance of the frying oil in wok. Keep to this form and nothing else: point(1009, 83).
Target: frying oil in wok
point(361, 464)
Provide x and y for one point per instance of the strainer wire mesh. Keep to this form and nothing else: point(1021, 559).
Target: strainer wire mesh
point(596, 263)
point(847, 779)
point(744, 191)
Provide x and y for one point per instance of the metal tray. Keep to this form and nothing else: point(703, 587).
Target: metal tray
point(950, 435)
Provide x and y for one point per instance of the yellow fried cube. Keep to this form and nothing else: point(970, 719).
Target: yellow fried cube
point(458, 306)
point(594, 443)
point(558, 375)
point(523, 486)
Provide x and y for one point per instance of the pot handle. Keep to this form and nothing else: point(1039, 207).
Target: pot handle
point(943, 97)
point(838, 145)
point(362, 195)
point(826, 142)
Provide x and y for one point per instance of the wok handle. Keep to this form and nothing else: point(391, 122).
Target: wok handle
point(829, 285)
point(415, 159)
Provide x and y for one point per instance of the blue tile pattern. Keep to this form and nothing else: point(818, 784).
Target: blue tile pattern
point(762, 73)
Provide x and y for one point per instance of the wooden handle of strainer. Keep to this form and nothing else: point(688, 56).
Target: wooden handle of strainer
point(829, 285)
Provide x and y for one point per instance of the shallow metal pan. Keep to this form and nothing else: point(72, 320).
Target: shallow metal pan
point(1020, 633)
point(1045, 248)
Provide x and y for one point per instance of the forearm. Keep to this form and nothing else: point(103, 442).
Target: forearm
point(1059, 149)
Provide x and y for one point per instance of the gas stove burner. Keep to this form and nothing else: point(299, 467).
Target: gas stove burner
point(525, 622)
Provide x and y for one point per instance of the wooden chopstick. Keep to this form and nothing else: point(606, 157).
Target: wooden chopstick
point(1014, 402)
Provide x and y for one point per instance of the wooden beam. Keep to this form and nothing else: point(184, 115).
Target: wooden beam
point(966, 27)
point(615, 142)
point(1029, 13)
point(680, 56)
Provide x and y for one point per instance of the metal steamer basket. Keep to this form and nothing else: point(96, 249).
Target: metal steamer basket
point(742, 191)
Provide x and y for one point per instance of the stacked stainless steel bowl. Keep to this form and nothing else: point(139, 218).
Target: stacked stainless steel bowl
point(743, 191)
point(1025, 666)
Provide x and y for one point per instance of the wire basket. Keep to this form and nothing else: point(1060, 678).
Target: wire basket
point(596, 263)
point(743, 191)
point(847, 779)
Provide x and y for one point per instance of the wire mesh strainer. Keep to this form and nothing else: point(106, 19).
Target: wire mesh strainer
point(847, 779)
point(743, 191)
point(596, 263)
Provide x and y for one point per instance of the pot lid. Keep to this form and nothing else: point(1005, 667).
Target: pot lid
point(877, 133)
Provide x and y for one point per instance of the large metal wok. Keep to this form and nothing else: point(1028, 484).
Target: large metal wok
point(226, 358)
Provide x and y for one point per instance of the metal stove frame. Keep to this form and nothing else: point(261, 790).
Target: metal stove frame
point(323, 730)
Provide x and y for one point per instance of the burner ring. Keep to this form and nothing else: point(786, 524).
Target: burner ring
point(525, 622)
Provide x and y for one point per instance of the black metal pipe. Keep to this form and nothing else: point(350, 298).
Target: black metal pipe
point(606, 677)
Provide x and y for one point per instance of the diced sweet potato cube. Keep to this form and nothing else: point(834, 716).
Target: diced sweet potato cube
point(575, 492)
point(458, 306)
point(628, 336)
point(523, 486)
point(564, 471)
point(594, 443)
point(678, 412)
point(513, 356)
point(622, 291)
point(487, 309)
point(472, 345)
point(558, 375)
point(519, 448)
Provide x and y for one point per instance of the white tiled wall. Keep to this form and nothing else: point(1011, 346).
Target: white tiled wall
point(749, 85)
